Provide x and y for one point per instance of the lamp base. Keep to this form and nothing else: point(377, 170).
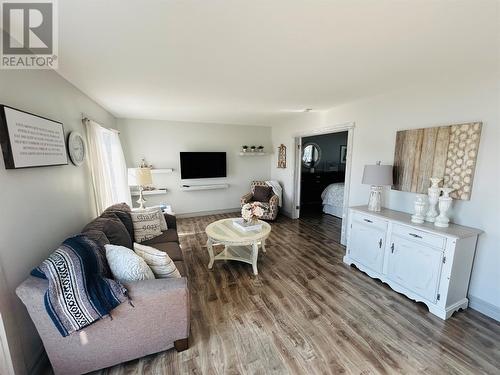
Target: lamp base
point(375, 201)
point(141, 199)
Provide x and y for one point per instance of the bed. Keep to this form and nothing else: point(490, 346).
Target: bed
point(333, 199)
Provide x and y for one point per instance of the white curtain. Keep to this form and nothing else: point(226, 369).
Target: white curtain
point(107, 164)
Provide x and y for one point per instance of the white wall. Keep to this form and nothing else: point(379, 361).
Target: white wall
point(40, 206)
point(376, 121)
point(161, 141)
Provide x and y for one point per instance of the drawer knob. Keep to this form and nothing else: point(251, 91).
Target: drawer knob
point(368, 221)
point(380, 243)
point(392, 248)
point(415, 235)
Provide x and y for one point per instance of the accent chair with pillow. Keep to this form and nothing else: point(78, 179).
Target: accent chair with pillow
point(156, 319)
point(261, 192)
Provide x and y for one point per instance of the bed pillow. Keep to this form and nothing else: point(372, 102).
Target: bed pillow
point(160, 263)
point(127, 266)
point(147, 225)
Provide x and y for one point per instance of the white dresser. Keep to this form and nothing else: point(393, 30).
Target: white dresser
point(426, 263)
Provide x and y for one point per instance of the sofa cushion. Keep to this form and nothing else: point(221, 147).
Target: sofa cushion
point(97, 236)
point(124, 207)
point(100, 238)
point(171, 248)
point(262, 193)
point(170, 235)
point(171, 221)
point(113, 228)
point(160, 263)
point(123, 216)
point(182, 268)
point(126, 265)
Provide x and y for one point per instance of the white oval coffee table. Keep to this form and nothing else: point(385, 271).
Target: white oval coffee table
point(239, 245)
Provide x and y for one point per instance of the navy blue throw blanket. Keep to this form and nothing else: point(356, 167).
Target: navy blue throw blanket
point(78, 294)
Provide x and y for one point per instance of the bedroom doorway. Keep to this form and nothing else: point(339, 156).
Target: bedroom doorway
point(322, 177)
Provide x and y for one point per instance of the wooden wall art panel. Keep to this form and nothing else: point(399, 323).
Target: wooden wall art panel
point(449, 152)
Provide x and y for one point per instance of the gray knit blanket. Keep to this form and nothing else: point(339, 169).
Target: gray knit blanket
point(77, 293)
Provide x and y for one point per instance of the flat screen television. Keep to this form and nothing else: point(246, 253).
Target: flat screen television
point(203, 165)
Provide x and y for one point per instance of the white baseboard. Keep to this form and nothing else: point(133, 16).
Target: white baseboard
point(484, 307)
point(205, 213)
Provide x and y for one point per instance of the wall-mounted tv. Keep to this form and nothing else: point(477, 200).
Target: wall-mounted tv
point(203, 165)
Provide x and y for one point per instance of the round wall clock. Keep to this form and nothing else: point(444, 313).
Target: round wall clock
point(76, 148)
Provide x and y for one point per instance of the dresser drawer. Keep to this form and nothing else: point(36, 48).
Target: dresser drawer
point(369, 220)
point(419, 236)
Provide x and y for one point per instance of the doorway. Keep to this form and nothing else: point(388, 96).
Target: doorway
point(322, 176)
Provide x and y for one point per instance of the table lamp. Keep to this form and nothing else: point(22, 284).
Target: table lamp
point(143, 178)
point(377, 176)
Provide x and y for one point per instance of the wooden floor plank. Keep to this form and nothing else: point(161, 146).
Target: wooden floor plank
point(309, 313)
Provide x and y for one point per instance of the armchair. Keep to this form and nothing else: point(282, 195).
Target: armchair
point(271, 208)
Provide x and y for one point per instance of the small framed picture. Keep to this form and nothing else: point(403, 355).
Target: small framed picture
point(29, 140)
point(282, 156)
point(343, 154)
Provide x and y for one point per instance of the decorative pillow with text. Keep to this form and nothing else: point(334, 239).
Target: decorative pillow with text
point(147, 225)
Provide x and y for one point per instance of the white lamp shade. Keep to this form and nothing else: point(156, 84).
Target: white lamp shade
point(140, 177)
point(144, 176)
point(378, 175)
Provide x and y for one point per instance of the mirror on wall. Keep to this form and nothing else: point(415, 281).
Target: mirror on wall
point(311, 154)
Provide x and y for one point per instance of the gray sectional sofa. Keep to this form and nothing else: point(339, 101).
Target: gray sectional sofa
point(158, 320)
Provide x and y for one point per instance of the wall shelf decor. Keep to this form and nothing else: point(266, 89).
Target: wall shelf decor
point(162, 170)
point(204, 187)
point(29, 140)
point(447, 152)
point(253, 153)
point(135, 193)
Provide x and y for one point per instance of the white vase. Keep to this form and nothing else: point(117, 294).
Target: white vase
point(444, 205)
point(420, 204)
point(434, 192)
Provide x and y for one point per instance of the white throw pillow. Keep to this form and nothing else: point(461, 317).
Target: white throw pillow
point(126, 265)
point(147, 225)
point(159, 261)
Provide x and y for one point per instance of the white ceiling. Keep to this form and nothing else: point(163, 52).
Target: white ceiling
point(249, 61)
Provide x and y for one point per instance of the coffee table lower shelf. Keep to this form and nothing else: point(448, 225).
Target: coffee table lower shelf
point(241, 253)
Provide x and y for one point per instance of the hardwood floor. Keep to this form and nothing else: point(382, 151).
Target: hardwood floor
point(309, 313)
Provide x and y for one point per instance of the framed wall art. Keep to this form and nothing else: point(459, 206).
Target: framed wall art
point(282, 156)
point(447, 152)
point(28, 140)
point(343, 154)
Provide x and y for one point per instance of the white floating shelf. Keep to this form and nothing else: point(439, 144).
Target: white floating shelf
point(149, 192)
point(162, 170)
point(256, 153)
point(203, 187)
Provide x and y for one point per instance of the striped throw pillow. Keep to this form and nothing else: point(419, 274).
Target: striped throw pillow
point(159, 262)
point(146, 225)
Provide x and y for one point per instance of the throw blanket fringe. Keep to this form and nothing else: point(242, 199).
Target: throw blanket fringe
point(78, 294)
